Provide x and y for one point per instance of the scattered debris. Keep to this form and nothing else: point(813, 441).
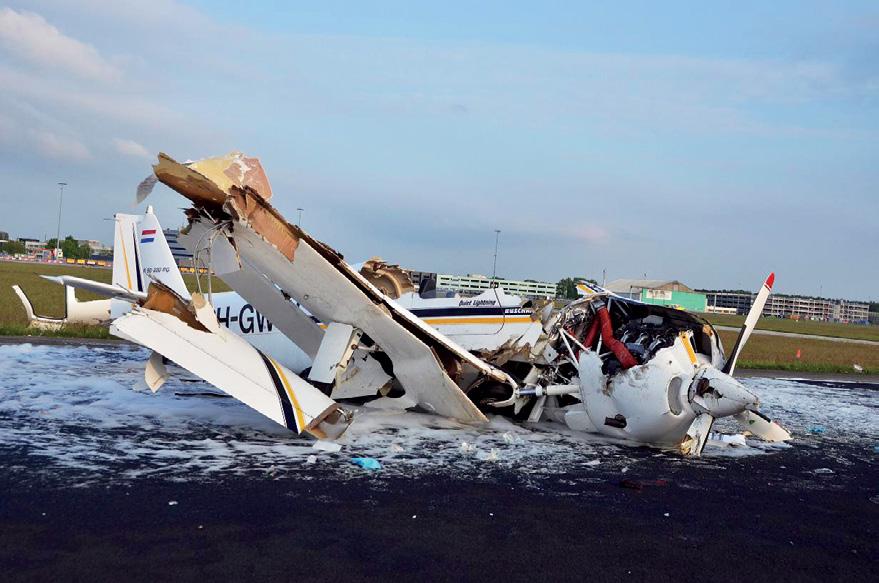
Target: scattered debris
point(858, 368)
point(511, 438)
point(823, 471)
point(817, 429)
point(172, 503)
point(367, 463)
point(330, 446)
point(592, 463)
point(396, 448)
point(734, 440)
point(312, 459)
point(467, 447)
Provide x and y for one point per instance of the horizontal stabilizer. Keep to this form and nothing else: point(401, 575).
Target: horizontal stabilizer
point(232, 365)
point(107, 290)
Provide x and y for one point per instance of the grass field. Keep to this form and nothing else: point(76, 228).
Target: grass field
point(48, 297)
point(816, 354)
point(800, 327)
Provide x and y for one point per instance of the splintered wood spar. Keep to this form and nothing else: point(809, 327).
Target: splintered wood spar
point(209, 181)
point(162, 298)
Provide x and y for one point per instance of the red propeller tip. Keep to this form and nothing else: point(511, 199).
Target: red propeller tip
point(770, 280)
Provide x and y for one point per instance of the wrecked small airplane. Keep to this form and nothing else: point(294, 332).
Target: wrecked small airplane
point(602, 364)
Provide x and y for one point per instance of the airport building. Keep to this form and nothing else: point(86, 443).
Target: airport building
point(661, 292)
point(96, 248)
point(182, 257)
point(32, 245)
point(794, 307)
point(474, 284)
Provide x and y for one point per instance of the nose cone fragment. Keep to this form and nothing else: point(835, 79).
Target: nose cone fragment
point(719, 394)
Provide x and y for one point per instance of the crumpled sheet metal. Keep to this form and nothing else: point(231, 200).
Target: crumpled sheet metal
point(391, 279)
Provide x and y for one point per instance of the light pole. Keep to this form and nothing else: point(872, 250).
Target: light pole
point(299, 221)
point(61, 185)
point(497, 234)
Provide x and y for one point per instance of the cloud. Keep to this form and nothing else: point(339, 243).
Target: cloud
point(30, 37)
point(131, 148)
point(61, 147)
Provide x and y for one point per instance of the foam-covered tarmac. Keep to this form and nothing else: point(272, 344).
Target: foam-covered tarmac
point(101, 479)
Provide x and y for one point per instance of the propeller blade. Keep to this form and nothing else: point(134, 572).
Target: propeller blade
point(762, 426)
point(697, 435)
point(750, 323)
point(145, 188)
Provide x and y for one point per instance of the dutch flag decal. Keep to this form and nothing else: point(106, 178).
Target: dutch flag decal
point(148, 236)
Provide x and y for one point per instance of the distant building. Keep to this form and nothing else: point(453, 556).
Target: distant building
point(32, 245)
point(96, 248)
point(474, 284)
point(181, 255)
point(4, 236)
point(661, 292)
point(796, 307)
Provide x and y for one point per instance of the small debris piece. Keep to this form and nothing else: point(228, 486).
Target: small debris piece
point(467, 447)
point(312, 459)
point(396, 448)
point(817, 429)
point(858, 368)
point(172, 503)
point(593, 463)
point(367, 463)
point(823, 471)
point(666, 514)
point(330, 446)
point(414, 516)
point(492, 455)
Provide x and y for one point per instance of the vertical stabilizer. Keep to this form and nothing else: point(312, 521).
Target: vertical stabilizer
point(156, 261)
point(126, 269)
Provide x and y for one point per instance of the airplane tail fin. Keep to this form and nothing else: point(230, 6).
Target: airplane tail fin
point(157, 261)
point(141, 254)
point(126, 260)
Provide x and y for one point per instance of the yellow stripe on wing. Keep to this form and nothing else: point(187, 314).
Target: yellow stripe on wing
point(300, 419)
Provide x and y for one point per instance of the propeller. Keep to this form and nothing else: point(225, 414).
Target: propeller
point(758, 424)
point(750, 323)
point(717, 394)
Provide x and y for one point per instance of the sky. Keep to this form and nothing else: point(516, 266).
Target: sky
point(710, 142)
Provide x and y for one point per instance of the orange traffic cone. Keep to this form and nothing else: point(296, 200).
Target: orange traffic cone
point(798, 353)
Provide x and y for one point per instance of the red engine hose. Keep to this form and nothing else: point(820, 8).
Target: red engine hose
point(602, 321)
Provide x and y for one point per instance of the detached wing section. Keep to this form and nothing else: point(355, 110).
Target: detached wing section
point(189, 335)
point(249, 235)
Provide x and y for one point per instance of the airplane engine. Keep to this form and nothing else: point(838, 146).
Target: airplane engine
point(647, 403)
